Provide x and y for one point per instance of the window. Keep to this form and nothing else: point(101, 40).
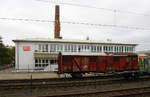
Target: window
point(132, 49)
point(92, 48)
point(105, 48)
point(85, 47)
point(42, 63)
point(43, 47)
point(111, 48)
point(116, 58)
point(36, 48)
point(71, 48)
point(121, 48)
point(46, 47)
point(82, 48)
point(61, 47)
point(115, 49)
point(53, 61)
point(37, 62)
point(98, 49)
point(88, 47)
point(54, 47)
point(65, 48)
point(79, 48)
point(75, 48)
point(51, 48)
point(57, 47)
point(36, 65)
point(46, 60)
point(40, 47)
point(92, 59)
point(125, 49)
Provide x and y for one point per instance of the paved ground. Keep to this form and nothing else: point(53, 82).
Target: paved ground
point(11, 74)
point(22, 75)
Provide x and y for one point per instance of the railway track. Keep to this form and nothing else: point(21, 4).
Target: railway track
point(112, 93)
point(59, 79)
point(73, 87)
point(46, 83)
point(52, 81)
point(64, 83)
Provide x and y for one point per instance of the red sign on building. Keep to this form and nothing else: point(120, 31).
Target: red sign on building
point(26, 48)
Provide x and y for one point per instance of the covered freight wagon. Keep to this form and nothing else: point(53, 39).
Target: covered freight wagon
point(80, 63)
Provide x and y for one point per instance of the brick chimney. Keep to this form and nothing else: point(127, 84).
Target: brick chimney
point(57, 23)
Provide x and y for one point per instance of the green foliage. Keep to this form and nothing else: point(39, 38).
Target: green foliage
point(7, 54)
point(144, 64)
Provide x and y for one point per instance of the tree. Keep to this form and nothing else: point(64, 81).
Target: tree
point(7, 54)
point(11, 51)
point(0, 39)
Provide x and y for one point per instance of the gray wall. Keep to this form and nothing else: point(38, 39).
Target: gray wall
point(24, 59)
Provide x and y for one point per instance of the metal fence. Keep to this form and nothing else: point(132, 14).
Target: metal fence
point(32, 68)
point(6, 66)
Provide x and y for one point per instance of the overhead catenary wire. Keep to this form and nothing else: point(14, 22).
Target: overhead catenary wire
point(78, 23)
point(20, 19)
point(88, 6)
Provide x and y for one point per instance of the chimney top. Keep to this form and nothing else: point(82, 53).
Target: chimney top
point(57, 23)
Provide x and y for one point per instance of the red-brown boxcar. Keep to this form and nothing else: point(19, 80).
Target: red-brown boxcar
point(96, 62)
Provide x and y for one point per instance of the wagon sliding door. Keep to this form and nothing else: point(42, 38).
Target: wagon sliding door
point(67, 64)
point(110, 64)
point(80, 64)
point(101, 64)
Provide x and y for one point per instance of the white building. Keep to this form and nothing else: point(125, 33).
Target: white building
point(41, 54)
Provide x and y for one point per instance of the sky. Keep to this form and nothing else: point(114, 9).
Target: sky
point(128, 13)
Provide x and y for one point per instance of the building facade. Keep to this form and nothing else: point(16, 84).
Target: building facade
point(42, 54)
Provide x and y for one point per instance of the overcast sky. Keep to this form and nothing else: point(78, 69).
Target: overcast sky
point(33, 9)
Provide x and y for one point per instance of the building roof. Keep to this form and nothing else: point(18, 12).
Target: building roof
point(83, 54)
point(145, 52)
point(142, 55)
point(97, 54)
point(48, 40)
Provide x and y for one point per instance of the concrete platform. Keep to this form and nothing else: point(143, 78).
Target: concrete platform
point(12, 74)
point(26, 75)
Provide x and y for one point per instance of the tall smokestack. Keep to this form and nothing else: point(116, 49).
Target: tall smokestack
point(57, 23)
